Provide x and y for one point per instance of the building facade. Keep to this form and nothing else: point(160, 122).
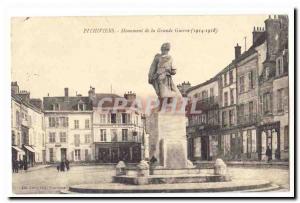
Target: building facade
point(118, 132)
point(253, 106)
point(203, 121)
point(68, 128)
point(27, 123)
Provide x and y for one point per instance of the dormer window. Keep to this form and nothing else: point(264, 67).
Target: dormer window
point(55, 107)
point(81, 106)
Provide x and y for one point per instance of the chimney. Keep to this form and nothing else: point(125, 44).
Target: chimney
point(25, 95)
point(183, 87)
point(91, 92)
point(237, 51)
point(273, 28)
point(130, 96)
point(66, 92)
point(257, 33)
point(14, 87)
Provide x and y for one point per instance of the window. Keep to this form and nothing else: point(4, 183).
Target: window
point(124, 135)
point(103, 135)
point(18, 118)
point(51, 155)
point(280, 100)
point(77, 140)
point(286, 137)
point(134, 136)
point(242, 85)
point(231, 77)
point(267, 102)
point(13, 139)
point(81, 107)
point(64, 121)
point(124, 118)
point(225, 98)
point(51, 137)
point(241, 111)
point(267, 73)
point(225, 79)
point(76, 124)
point(279, 66)
point(51, 122)
point(63, 136)
point(87, 138)
point(55, 107)
point(211, 92)
point(251, 108)
point(77, 155)
point(113, 118)
point(102, 118)
point(87, 123)
point(231, 96)
point(231, 117)
point(224, 119)
point(249, 141)
point(251, 81)
point(204, 94)
point(114, 135)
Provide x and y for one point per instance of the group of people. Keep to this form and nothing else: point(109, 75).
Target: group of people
point(63, 165)
point(19, 165)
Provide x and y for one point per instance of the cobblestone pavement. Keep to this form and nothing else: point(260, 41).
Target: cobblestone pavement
point(48, 180)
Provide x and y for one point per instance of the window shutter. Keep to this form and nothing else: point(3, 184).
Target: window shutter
point(286, 99)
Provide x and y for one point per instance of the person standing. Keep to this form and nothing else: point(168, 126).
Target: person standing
point(67, 164)
point(25, 165)
point(16, 166)
point(269, 153)
point(62, 166)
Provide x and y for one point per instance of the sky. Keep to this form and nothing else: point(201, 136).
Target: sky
point(51, 53)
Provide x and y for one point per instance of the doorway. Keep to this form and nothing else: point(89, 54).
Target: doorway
point(205, 148)
point(63, 153)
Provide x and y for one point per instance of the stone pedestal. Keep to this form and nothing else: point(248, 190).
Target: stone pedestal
point(168, 139)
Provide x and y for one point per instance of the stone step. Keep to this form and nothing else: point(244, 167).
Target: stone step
point(169, 179)
point(272, 187)
point(230, 186)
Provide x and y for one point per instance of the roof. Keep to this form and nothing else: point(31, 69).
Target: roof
point(66, 103)
point(201, 84)
point(249, 52)
point(20, 100)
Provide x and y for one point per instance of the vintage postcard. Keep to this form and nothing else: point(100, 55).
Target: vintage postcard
point(195, 105)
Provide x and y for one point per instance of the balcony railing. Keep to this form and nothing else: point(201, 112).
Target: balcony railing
point(206, 103)
point(247, 119)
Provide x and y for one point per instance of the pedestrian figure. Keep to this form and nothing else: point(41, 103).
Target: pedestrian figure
point(25, 165)
point(62, 166)
point(67, 164)
point(277, 154)
point(153, 160)
point(57, 167)
point(269, 153)
point(16, 166)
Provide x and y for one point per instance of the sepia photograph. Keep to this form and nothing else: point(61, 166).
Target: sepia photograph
point(198, 105)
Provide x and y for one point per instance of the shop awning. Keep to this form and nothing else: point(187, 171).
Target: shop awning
point(18, 150)
point(29, 148)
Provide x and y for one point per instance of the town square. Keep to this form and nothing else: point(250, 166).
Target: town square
point(146, 112)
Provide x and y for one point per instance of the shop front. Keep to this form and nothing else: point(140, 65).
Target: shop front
point(269, 137)
point(113, 152)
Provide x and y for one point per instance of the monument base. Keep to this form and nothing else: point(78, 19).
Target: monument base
point(168, 139)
